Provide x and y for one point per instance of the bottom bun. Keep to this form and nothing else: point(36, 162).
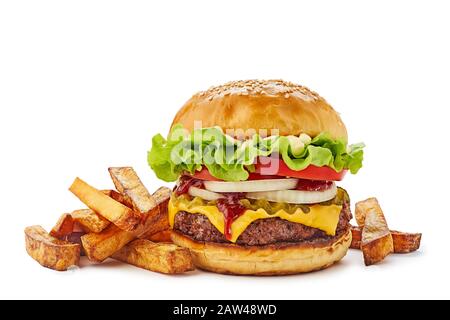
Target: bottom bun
point(278, 259)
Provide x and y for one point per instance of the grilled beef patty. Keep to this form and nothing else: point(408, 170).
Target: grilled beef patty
point(260, 232)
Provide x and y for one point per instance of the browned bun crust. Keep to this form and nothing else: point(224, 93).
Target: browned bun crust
point(262, 105)
point(279, 259)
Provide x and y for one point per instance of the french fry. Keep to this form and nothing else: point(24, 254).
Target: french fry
point(69, 230)
point(99, 246)
point(163, 236)
point(404, 242)
point(376, 239)
point(130, 186)
point(110, 209)
point(89, 220)
point(155, 224)
point(362, 207)
point(158, 221)
point(158, 257)
point(162, 196)
point(118, 197)
point(49, 251)
point(77, 227)
point(92, 222)
point(63, 227)
point(75, 237)
point(356, 237)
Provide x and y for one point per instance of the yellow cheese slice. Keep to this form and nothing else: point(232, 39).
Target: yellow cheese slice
point(325, 218)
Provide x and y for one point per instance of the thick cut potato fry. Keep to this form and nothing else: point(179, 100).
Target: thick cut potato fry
point(163, 236)
point(75, 237)
point(99, 246)
point(362, 207)
point(159, 220)
point(158, 257)
point(77, 227)
point(89, 220)
point(356, 237)
point(49, 251)
point(376, 239)
point(162, 196)
point(128, 184)
point(63, 227)
point(110, 209)
point(155, 224)
point(118, 197)
point(404, 242)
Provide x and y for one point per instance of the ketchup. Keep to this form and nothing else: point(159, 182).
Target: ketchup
point(313, 185)
point(185, 182)
point(229, 205)
point(231, 209)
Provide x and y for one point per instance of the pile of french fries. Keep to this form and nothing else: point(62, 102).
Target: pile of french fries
point(373, 237)
point(127, 224)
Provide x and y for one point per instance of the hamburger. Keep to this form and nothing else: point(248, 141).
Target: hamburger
point(256, 165)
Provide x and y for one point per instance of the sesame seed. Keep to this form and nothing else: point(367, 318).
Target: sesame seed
point(263, 87)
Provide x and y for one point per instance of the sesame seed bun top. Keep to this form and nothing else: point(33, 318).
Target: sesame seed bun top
point(262, 105)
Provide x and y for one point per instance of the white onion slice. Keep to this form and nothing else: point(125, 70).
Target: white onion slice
point(251, 185)
point(204, 194)
point(295, 196)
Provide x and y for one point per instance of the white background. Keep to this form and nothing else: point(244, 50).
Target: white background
point(84, 85)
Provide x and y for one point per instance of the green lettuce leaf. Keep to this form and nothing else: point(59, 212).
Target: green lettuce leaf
point(232, 160)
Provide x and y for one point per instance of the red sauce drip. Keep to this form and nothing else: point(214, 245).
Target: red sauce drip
point(313, 185)
point(185, 182)
point(231, 209)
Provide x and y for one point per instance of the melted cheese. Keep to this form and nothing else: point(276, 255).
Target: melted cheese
point(325, 218)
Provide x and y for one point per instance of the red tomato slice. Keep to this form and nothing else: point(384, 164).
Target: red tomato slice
point(257, 176)
point(269, 164)
point(266, 164)
point(205, 175)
